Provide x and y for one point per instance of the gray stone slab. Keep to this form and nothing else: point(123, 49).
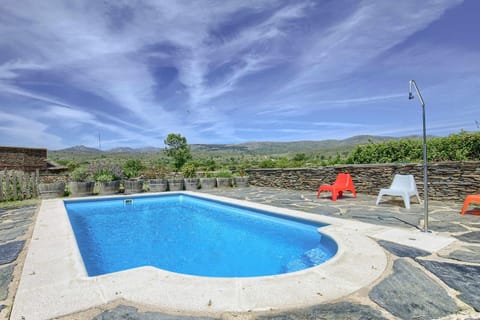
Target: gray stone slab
point(385, 220)
point(12, 234)
point(331, 311)
point(14, 224)
point(445, 226)
point(6, 274)
point(130, 313)
point(463, 278)
point(473, 224)
point(9, 251)
point(409, 293)
point(22, 214)
point(403, 251)
point(470, 237)
point(325, 210)
point(463, 255)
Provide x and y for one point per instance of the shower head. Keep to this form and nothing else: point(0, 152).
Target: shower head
point(410, 93)
point(413, 85)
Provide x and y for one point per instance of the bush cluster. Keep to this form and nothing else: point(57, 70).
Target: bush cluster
point(456, 147)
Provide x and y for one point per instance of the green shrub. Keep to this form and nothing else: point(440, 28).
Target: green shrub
point(224, 174)
point(132, 168)
point(189, 170)
point(456, 147)
point(156, 171)
point(103, 172)
point(79, 174)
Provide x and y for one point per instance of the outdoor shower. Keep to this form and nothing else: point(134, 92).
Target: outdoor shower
point(413, 84)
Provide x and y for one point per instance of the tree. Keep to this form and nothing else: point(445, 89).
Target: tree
point(177, 148)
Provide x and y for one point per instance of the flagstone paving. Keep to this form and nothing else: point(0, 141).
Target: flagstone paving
point(14, 226)
point(418, 284)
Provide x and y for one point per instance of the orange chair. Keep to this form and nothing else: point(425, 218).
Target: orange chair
point(474, 198)
point(343, 182)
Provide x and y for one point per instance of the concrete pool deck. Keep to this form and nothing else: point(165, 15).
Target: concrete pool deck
point(417, 269)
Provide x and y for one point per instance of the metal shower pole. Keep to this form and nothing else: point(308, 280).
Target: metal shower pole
point(412, 83)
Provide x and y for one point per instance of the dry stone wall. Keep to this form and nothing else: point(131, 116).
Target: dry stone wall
point(446, 180)
point(25, 159)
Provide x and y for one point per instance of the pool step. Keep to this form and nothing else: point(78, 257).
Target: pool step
point(308, 259)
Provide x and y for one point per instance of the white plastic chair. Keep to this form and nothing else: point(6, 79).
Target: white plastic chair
point(402, 185)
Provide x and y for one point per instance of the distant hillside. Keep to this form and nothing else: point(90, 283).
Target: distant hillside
point(80, 149)
point(135, 150)
point(253, 148)
point(265, 148)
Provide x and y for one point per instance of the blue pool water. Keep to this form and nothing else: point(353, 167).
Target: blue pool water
point(192, 235)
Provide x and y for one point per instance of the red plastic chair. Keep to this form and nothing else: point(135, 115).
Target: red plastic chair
point(343, 183)
point(474, 198)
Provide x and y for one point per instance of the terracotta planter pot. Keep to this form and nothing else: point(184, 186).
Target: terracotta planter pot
point(51, 190)
point(132, 186)
point(208, 183)
point(224, 182)
point(175, 184)
point(108, 187)
point(81, 189)
point(191, 184)
point(241, 182)
point(158, 185)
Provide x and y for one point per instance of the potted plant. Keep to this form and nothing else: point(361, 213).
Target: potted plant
point(241, 178)
point(131, 170)
point(175, 183)
point(224, 178)
point(107, 178)
point(189, 172)
point(79, 185)
point(208, 181)
point(49, 188)
point(155, 179)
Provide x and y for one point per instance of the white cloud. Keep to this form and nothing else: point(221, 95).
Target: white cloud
point(372, 29)
point(116, 53)
point(17, 130)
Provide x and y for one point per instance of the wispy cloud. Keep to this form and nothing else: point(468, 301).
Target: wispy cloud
point(136, 71)
point(369, 31)
point(17, 130)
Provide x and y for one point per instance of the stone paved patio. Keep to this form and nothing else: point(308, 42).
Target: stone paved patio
point(418, 285)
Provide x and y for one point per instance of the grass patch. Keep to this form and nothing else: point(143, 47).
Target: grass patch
point(20, 203)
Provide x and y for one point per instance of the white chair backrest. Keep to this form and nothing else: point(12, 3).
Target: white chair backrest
point(404, 182)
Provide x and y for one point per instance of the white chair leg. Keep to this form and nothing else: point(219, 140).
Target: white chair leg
point(378, 198)
point(419, 200)
point(406, 200)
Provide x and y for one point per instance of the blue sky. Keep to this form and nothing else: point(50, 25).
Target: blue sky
point(234, 71)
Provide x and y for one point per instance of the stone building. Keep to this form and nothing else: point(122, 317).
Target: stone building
point(24, 159)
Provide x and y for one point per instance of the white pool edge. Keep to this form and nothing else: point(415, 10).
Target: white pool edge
point(54, 281)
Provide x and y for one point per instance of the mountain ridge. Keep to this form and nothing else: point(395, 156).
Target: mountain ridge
point(257, 147)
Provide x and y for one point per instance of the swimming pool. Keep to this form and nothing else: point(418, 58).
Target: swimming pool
point(194, 236)
point(55, 282)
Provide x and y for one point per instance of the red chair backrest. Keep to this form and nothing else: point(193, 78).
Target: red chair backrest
point(343, 180)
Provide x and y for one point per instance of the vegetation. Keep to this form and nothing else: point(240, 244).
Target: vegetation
point(211, 159)
point(224, 174)
point(178, 149)
point(104, 172)
point(79, 174)
point(189, 170)
point(456, 147)
point(132, 168)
